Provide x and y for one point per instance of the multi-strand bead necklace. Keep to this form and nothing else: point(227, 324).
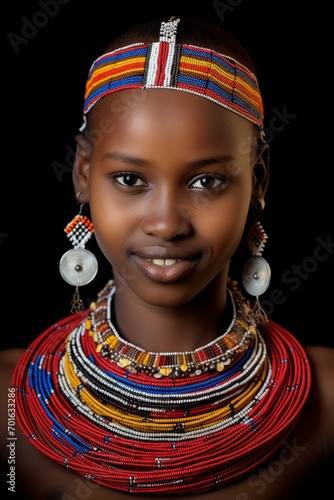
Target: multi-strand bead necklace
point(215, 356)
point(145, 422)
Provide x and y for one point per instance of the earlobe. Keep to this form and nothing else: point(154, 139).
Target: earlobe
point(260, 178)
point(80, 174)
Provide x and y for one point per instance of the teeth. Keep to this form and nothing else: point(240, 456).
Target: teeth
point(164, 262)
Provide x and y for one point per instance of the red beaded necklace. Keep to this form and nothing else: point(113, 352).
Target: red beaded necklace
point(131, 431)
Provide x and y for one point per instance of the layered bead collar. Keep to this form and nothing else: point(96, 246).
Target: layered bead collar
point(145, 422)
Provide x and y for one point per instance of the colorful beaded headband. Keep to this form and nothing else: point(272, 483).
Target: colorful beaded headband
point(168, 65)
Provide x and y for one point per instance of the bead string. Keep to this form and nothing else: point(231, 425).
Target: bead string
point(168, 30)
point(138, 434)
point(215, 356)
point(196, 70)
point(120, 394)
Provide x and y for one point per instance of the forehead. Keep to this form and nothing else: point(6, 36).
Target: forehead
point(149, 114)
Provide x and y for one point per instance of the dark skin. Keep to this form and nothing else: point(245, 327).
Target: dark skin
point(166, 212)
point(175, 179)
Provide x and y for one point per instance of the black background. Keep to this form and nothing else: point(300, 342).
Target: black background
point(43, 77)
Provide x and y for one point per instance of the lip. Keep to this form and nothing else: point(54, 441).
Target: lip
point(168, 252)
point(179, 262)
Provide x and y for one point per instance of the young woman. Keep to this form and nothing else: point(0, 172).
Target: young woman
point(173, 382)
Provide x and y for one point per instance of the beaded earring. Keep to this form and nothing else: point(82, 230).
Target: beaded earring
point(256, 273)
point(78, 266)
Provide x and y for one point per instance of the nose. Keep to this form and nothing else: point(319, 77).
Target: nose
point(168, 216)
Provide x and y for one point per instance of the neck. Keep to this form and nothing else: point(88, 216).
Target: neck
point(170, 329)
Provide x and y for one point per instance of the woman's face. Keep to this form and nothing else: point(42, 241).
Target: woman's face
point(170, 182)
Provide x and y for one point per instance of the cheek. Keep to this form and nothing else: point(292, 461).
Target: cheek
point(108, 217)
point(225, 233)
point(224, 223)
point(111, 230)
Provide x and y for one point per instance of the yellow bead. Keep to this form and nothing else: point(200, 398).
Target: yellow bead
point(166, 370)
point(252, 330)
point(124, 362)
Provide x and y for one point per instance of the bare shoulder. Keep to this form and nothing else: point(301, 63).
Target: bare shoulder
point(322, 365)
point(8, 361)
point(10, 356)
point(321, 400)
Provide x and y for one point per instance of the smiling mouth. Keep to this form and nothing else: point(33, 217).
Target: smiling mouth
point(165, 270)
point(164, 262)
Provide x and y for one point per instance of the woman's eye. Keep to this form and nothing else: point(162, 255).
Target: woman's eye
point(209, 182)
point(129, 180)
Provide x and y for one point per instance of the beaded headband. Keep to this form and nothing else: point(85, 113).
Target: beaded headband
point(169, 65)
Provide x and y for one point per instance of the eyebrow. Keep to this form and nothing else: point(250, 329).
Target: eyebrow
point(124, 158)
point(134, 160)
point(212, 160)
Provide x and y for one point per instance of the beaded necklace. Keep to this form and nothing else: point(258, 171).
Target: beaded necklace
point(138, 421)
point(213, 357)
